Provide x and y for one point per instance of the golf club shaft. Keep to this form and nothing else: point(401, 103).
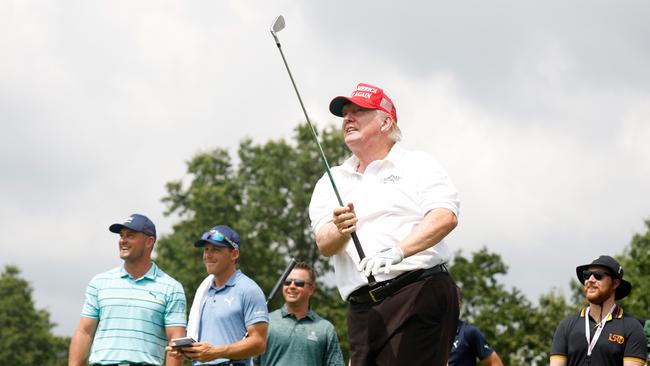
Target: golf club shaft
point(278, 284)
point(355, 238)
point(285, 274)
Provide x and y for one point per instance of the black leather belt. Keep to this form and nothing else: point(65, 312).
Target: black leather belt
point(382, 290)
point(231, 363)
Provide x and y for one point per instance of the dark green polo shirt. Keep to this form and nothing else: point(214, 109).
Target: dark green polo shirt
point(310, 341)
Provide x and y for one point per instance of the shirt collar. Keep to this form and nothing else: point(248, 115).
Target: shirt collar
point(231, 281)
point(616, 314)
point(285, 313)
point(394, 155)
point(151, 273)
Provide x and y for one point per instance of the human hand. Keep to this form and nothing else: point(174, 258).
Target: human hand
point(174, 352)
point(345, 219)
point(384, 259)
point(201, 351)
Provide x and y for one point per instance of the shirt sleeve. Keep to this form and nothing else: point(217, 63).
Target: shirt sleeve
point(636, 345)
point(91, 304)
point(255, 310)
point(435, 188)
point(333, 355)
point(175, 309)
point(560, 343)
point(321, 205)
point(480, 346)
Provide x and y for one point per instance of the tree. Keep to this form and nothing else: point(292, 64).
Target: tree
point(25, 337)
point(520, 332)
point(635, 261)
point(265, 198)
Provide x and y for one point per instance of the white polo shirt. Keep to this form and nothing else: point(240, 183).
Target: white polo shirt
point(390, 198)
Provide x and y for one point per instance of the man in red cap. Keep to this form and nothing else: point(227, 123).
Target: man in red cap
point(401, 204)
point(602, 334)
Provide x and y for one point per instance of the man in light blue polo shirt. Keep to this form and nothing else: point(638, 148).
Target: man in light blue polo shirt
point(131, 311)
point(228, 317)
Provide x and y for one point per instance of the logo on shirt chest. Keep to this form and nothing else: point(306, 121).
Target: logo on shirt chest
point(312, 336)
point(390, 179)
point(228, 300)
point(615, 338)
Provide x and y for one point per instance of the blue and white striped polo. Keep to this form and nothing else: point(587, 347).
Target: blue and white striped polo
point(133, 314)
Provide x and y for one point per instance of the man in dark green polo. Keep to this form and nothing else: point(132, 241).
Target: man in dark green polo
point(297, 335)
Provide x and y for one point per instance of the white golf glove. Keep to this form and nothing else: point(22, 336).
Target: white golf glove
point(384, 259)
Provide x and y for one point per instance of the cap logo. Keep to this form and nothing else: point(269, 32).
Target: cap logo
point(128, 220)
point(361, 94)
point(367, 88)
point(386, 105)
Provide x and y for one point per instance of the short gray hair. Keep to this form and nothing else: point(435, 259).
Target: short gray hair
point(395, 133)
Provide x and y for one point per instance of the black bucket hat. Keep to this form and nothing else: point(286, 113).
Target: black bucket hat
point(616, 270)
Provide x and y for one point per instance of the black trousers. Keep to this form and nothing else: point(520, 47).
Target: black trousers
point(414, 326)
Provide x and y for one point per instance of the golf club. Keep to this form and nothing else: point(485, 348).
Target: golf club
point(275, 289)
point(278, 25)
point(284, 276)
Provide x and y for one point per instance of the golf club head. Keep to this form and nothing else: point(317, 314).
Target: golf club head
point(277, 25)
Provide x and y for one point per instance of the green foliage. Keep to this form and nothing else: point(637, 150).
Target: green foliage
point(520, 332)
point(636, 264)
point(25, 337)
point(265, 198)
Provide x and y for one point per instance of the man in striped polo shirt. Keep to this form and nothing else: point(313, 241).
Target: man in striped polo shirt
point(132, 311)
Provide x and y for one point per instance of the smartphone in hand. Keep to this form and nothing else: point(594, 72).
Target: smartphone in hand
point(178, 343)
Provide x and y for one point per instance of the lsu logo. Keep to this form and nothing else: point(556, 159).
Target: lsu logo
point(615, 338)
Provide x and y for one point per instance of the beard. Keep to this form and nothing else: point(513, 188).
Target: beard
point(599, 296)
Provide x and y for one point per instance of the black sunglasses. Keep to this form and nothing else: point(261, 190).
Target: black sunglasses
point(298, 283)
point(598, 275)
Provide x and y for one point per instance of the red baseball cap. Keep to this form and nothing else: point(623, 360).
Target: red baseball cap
point(366, 96)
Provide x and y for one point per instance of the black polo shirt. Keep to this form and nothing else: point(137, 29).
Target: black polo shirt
point(621, 338)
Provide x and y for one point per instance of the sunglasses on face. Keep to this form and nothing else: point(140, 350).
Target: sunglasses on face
point(216, 235)
point(298, 283)
point(598, 275)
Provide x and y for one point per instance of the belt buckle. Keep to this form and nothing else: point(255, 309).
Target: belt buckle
point(371, 293)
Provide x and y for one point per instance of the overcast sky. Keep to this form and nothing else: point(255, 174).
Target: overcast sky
point(538, 110)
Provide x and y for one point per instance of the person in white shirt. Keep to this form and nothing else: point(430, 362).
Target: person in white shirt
point(401, 204)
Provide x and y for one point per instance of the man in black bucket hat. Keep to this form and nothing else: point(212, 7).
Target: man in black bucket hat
point(602, 334)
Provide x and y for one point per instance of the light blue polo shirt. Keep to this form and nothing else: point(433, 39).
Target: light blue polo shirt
point(133, 314)
point(229, 310)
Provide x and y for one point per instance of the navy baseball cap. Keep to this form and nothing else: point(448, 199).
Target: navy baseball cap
point(221, 236)
point(135, 222)
point(616, 271)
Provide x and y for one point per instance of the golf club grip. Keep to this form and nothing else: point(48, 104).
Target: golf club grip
point(357, 245)
point(284, 276)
